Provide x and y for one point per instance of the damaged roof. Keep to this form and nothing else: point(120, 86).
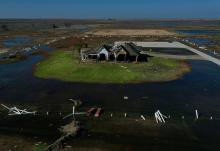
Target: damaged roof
point(132, 49)
point(98, 49)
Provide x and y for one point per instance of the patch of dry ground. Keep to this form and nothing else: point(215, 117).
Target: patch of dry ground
point(130, 32)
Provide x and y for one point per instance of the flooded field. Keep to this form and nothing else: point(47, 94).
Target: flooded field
point(199, 32)
point(198, 89)
point(17, 41)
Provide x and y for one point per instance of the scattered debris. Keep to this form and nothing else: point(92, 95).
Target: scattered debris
point(143, 118)
point(160, 118)
point(68, 130)
point(16, 111)
point(98, 112)
point(111, 115)
point(76, 102)
point(197, 114)
point(74, 113)
point(125, 97)
point(71, 128)
point(124, 67)
point(91, 111)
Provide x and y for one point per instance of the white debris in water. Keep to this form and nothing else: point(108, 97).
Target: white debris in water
point(197, 114)
point(143, 118)
point(125, 97)
point(160, 118)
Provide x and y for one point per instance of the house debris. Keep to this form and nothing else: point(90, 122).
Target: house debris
point(160, 118)
point(128, 52)
point(69, 130)
point(12, 111)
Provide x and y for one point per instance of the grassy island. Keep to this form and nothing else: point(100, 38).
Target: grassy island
point(63, 65)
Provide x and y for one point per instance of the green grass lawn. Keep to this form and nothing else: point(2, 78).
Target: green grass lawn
point(62, 65)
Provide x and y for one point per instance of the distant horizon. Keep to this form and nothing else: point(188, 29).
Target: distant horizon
point(116, 9)
point(119, 19)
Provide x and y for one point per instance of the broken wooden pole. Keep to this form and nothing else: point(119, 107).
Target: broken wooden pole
point(197, 114)
point(143, 118)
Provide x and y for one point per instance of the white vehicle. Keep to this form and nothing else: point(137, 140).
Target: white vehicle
point(16, 111)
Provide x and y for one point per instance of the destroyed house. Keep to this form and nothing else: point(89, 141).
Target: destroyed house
point(128, 52)
point(99, 53)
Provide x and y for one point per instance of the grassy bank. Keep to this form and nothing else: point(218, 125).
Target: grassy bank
point(62, 65)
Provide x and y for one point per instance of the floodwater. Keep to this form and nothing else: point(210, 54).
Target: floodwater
point(17, 41)
point(202, 41)
point(198, 89)
point(211, 39)
point(199, 32)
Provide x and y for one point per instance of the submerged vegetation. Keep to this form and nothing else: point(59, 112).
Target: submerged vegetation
point(63, 65)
